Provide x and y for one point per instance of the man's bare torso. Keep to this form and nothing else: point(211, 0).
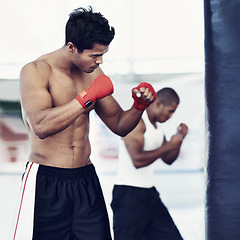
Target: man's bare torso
point(69, 148)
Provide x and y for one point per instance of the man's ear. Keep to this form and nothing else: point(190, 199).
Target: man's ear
point(71, 47)
point(158, 102)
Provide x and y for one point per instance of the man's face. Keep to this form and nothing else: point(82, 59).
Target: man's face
point(90, 59)
point(166, 111)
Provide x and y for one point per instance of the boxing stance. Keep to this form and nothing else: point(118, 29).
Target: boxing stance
point(61, 197)
point(138, 212)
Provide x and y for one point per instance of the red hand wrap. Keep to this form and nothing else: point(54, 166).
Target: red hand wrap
point(101, 87)
point(139, 103)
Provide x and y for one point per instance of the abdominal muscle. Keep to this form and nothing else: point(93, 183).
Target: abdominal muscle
point(67, 149)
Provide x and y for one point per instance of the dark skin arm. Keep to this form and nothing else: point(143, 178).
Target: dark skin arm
point(134, 142)
point(170, 156)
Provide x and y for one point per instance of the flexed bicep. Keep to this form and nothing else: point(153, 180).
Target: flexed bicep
point(43, 118)
point(34, 93)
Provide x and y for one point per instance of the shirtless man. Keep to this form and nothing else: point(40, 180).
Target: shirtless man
point(61, 196)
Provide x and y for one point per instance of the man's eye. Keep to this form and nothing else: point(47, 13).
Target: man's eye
point(95, 56)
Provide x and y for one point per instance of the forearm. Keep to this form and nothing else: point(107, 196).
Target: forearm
point(170, 156)
point(54, 120)
point(145, 158)
point(127, 121)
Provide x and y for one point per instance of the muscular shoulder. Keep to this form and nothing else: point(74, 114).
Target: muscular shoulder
point(35, 74)
point(142, 125)
point(36, 68)
point(140, 128)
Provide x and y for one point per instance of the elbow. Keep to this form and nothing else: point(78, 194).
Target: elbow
point(40, 135)
point(38, 127)
point(124, 134)
point(40, 132)
point(169, 161)
point(121, 133)
point(137, 164)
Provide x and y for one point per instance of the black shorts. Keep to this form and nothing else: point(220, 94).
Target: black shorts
point(138, 213)
point(61, 204)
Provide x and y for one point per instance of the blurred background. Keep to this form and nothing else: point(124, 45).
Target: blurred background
point(161, 42)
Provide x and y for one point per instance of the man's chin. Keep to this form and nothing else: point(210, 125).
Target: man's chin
point(89, 71)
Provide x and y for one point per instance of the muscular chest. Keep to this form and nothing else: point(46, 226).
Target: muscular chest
point(64, 88)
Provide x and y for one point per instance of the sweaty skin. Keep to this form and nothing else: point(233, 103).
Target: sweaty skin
point(58, 125)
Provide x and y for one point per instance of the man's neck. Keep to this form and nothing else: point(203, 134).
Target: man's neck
point(151, 118)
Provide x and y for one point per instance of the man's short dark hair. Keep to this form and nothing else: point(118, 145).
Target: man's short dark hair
point(85, 27)
point(167, 96)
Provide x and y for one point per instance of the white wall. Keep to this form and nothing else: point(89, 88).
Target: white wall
point(151, 36)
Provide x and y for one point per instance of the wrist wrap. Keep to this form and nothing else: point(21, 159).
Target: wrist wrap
point(139, 103)
point(101, 87)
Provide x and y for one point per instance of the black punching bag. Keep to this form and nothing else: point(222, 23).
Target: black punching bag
point(222, 86)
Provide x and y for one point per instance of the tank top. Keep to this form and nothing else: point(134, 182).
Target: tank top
point(141, 177)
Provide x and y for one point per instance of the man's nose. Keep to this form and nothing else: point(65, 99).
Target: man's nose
point(99, 60)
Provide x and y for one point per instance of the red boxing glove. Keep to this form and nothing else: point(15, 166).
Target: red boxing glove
point(101, 87)
point(139, 103)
